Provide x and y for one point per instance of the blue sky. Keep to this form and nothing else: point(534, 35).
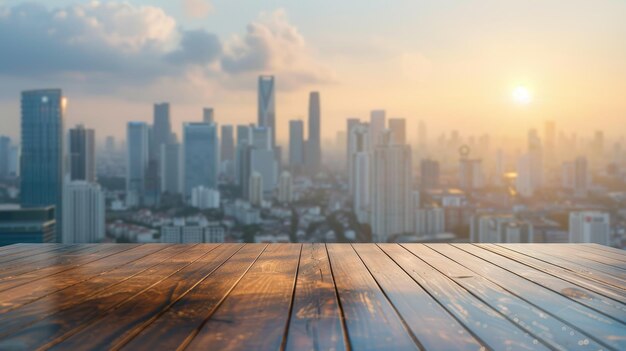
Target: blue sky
point(453, 63)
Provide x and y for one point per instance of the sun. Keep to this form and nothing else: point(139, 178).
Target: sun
point(522, 96)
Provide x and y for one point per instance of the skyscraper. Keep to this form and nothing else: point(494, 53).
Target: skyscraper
point(285, 188)
point(313, 154)
point(82, 154)
point(171, 164)
point(429, 174)
point(162, 128)
point(83, 213)
point(377, 126)
point(42, 166)
point(5, 150)
point(350, 123)
point(397, 126)
point(200, 156)
point(391, 195)
point(267, 106)
point(575, 176)
point(358, 142)
point(255, 195)
point(590, 227)
point(244, 139)
point(296, 144)
point(137, 142)
point(208, 115)
point(228, 143)
point(470, 174)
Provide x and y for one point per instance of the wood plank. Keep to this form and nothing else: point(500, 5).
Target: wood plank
point(491, 327)
point(579, 269)
point(64, 263)
point(433, 326)
point(593, 285)
point(606, 331)
point(23, 294)
point(371, 321)
point(34, 254)
point(22, 250)
point(607, 248)
point(575, 257)
point(600, 258)
point(255, 314)
point(15, 319)
point(181, 322)
point(541, 325)
point(316, 321)
point(594, 249)
point(139, 311)
point(599, 303)
point(47, 330)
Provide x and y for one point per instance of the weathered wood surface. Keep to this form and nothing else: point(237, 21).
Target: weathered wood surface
point(312, 297)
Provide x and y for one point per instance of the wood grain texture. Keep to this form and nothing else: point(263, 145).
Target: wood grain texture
point(316, 320)
point(312, 297)
point(256, 312)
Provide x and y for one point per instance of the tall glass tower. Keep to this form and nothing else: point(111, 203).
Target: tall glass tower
point(267, 105)
point(137, 162)
point(201, 157)
point(314, 144)
point(42, 167)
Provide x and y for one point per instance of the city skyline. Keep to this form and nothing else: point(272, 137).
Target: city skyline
point(450, 63)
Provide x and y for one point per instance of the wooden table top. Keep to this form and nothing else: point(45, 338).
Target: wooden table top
point(312, 297)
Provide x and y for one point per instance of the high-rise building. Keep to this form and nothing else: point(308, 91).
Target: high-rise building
point(313, 152)
point(358, 142)
point(205, 198)
point(397, 126)
point(109, 144)
point(391, 195)
point(162, 127)
point(429, 174)
point(5, 150)
point(377, 126)
point(530, 167)
point(263, 161)
point(201, 156)
point(83, 212)
point(27, 225)
point(470, 174)
point(82, 154)
point(296, 144)
point(285, 188)
point(137, 141)
point(267, 106)
point(496, 228)
point(244, 139)
point(228, 143)
point(262, 138)
point(14, 161)
point(255, 195)
point(429, 221)
point(171, 168)
point(42, 160)
point(208, 115)
point(350, 123)
point(590, 227)
point(575, 176)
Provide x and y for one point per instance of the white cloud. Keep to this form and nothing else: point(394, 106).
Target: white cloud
point(197, 8)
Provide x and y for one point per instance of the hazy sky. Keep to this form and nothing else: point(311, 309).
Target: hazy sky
point(453, 63)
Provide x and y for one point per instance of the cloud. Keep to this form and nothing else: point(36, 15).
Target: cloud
point(197, 8)
point(116, 46)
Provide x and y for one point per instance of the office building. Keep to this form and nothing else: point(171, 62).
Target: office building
point(244, 139)
point(429, 174)
point(391, 195)
point(377, 126)
point(350, 123)
point(530, 171)
point(201, 156)
point(358, 142)
point(429, 221)
point(264, 162)
point(193, 230)
point(14, 161)
point(5, 150)
point(498, 228)
point(137, 141)
point(397, 126)
point(296, 144)
point(228, 143)
point(470, 174)
point(208, 115)
point(27, 225)
point(590, 227)
point(162, 127)
point(83, 213)
point(42, 161)
point(285, 188)
point(575, 177)
point(171, 165)
point(255, 195)
point(82, 154)
point(313, 152)
point(267, 106)
point(205, 198)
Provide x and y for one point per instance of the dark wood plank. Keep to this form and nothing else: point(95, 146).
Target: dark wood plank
point(135, 313)
point(577, 268)
point(31, 255)
point(16, 251)
point(371, 321)
point(181, 322)
point(43, 333)
point(580, 258)
point(491, 327)
point(26, 293)
point(316, 320)
point(608, 307)
point(593, 285)
point(536, 322)
point(433, 326)
point(63, 263)
point(254, 315)
point(14, 319)
point(604, 330)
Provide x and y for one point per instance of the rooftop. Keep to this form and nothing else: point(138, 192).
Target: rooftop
point(312, 297)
